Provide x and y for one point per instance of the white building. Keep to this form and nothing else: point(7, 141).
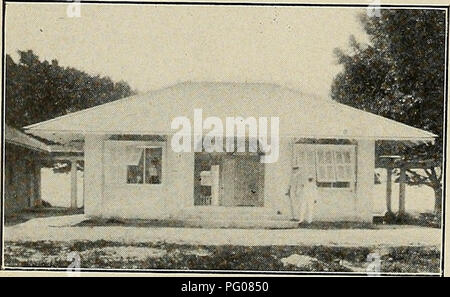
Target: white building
point(131, 170)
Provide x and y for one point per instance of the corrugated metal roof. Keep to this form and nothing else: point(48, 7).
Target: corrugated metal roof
point(300, 114)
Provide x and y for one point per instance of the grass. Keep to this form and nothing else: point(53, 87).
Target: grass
point(161, 255)
point(338, 225)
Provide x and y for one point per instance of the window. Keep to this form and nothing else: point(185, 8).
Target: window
point(145, 165)
point(332, 165)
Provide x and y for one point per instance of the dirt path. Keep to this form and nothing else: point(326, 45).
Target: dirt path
point(58, 229)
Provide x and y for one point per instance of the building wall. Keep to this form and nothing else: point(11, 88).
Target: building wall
point(93, 174)
point(22, 179)
point(110, 196)
point(365, 186)
point(118, 199)
point(277, 178)
point(354, 204)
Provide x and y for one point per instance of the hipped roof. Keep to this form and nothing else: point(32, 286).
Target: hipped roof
point(300, 114)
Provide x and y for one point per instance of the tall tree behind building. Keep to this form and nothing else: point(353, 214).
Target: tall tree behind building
point(400, 75)
point(40, 90)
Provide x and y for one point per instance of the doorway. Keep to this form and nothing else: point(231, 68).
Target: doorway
point(222, 179)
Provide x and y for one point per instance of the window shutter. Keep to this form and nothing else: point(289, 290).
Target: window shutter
point(305, 160)
point(328, 163)
point(342, 173)
point(325, 166)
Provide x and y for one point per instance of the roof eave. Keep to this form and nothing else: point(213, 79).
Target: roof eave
point(428, 137)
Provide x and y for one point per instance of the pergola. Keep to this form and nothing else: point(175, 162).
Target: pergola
point(396, 162)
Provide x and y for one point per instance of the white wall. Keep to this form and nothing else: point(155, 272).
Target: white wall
point(277, 178)
point(147, 201)
point(131, 201)
point(332, 204)
point(93, 174)
point(365, 169)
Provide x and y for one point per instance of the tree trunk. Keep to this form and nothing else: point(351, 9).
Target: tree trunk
point(437, 199)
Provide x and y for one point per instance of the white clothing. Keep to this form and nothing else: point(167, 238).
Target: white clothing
point(307, 200)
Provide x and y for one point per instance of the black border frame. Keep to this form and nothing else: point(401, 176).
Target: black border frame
point(218, 3)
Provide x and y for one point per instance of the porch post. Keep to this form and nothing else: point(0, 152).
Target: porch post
point(389, 190)
point(73, 186)
point(401, 192)
point(35, 197)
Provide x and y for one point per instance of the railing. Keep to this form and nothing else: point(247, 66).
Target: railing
point(203, 200)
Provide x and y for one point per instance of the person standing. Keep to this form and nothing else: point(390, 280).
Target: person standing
point(307, 200)
point(295, 192)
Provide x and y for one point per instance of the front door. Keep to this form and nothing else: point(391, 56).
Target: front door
point(242, 181)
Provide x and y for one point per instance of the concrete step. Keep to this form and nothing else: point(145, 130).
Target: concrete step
point(231, 215)
point(234, 217)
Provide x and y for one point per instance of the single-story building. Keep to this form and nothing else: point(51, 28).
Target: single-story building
point(133, 171)
point(25, 155)
point(22, 175)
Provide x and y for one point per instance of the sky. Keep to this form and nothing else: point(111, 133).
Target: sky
point(152, 46)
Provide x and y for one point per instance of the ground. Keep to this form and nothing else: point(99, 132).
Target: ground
point(41, 212)
point(47, 242)
point(160, 255)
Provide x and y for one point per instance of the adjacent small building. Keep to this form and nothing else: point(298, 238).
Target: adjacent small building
point(24, 157)
point(22, 174)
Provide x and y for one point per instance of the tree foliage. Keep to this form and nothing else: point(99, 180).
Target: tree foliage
point(400, 75)
point(40, 90)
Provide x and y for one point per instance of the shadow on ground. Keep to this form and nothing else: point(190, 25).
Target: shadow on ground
point(40, 212)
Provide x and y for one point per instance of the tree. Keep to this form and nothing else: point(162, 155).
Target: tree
point(38, 90)
point(400, 75)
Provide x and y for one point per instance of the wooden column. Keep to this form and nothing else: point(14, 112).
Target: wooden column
point(401, 193)
point(73, 186)
point(389, 190)
point(35, 182)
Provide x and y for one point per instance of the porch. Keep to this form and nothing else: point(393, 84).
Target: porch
point(234, 217)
